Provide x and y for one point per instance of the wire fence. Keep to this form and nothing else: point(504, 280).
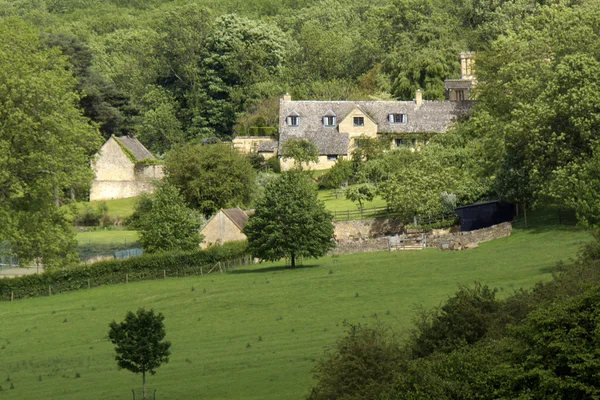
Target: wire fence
point(50, 287)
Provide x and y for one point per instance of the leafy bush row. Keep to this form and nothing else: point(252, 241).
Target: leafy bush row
point(150, 266)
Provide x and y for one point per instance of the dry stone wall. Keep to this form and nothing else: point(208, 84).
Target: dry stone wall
point(466, 240)
point(348, 230)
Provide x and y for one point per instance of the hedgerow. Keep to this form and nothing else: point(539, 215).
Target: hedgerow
point(150, 266)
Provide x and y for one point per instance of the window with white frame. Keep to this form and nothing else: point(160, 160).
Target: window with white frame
point(397, 118)
point(293, 120)
point(359, 121)
point(329, 120)
point(332, 157)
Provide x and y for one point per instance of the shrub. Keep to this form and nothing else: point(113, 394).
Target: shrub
point(363, 365)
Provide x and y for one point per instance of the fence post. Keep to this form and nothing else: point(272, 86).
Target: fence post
point(201, 271)
point(348, 214)
point(12, 295)
point(164, 274)
point(49, 290)
point(126, 278)
point(88, 283)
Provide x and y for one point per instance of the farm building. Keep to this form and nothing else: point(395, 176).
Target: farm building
point(124, 168)
point(482, 215)
point(227, 225)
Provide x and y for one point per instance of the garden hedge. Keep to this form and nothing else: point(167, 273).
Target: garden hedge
point(148, 266)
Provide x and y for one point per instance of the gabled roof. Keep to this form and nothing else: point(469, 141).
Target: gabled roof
point(431, 116)
point(135, 147)
point(237, 216)
point(328, 141)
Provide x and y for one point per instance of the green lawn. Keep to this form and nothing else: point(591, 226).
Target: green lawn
point(106, 237)
point(342, 204)
point(256, 333)
point(116, 208)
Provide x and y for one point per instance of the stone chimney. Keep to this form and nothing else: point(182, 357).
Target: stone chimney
point(287, 97)
point(419, 98)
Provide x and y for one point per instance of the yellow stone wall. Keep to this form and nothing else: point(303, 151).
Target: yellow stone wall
point(347, 126)
point(220, 229)
point(249, 144)
point(323, 163)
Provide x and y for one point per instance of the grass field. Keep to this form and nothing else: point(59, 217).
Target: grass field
point(121, 208)
point(256, 333)
point(106, 237)
point(342, 204)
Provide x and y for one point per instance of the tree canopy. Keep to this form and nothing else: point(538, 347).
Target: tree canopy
point(210, 176)
point(290, 221)
point(46, 146)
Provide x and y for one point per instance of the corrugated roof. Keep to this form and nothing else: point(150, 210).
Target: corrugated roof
point(238, 216)
point(135, 147)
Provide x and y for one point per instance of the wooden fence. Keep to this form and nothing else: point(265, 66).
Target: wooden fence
point(387, 212)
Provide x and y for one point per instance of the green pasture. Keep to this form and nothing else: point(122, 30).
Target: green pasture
point(121, 208)
point(342, 204)
point(114, 237)
point(255, 333)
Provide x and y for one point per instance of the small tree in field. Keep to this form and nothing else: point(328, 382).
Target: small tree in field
point(290, 221)
point(139, 343)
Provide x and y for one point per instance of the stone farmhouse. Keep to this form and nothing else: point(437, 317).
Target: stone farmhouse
point(124, 168)
point(227, 225)
point(336, 127)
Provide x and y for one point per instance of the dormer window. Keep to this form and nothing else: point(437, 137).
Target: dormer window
point(397, 118)
point(293, 120)
point(359, 121)
point(329, 121)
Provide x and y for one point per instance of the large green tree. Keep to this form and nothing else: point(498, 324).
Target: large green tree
point(46, 145)
point(210, 176)
point(290, 221)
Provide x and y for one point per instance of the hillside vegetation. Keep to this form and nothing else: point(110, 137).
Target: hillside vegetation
point(255, 333)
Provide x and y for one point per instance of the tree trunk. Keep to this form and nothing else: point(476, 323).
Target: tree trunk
point(293, 260)
point(525, 214)
point(143, 385)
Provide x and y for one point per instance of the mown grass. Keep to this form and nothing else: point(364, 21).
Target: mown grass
point(255, 333)
point(118, 208)
point(120, 237)
point(342, 204)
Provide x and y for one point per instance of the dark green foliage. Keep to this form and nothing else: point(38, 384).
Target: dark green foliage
point(148, 266)
point(464, 319)
point(339, 175)
point(363, 365)
point(167, 224)
point(210, 177)
point(139, 343)
point(290, 221)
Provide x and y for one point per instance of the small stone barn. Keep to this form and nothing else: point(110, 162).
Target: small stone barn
point(227, 225)
point(123, 168)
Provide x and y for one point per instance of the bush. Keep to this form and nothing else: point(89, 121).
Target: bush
point(273, 162)
point(148, 266)
point(362, 366)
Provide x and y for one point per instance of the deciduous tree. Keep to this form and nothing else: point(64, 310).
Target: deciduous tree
point(290, 221)
point(139, 343)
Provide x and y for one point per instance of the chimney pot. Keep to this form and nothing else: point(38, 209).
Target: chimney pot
point(287, 97)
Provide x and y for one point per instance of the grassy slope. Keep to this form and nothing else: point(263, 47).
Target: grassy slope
point(342, 204)
point(298, 313)
point(116, 208)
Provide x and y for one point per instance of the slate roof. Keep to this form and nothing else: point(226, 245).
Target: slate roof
point(431, 116)
point(269, 146)
point(135, 147)
point(237, 215)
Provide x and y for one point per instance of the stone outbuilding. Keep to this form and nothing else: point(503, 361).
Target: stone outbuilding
point(227, 225)
point(124, 168)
